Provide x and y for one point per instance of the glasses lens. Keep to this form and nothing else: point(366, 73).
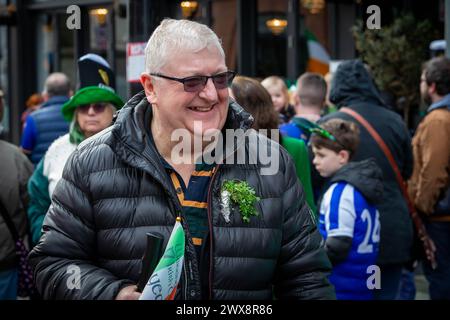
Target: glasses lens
point(221, 80)
point(84, 108)
point(194, 84)
point(99, 107)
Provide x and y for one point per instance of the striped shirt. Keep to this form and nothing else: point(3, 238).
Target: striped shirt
point(194, 199)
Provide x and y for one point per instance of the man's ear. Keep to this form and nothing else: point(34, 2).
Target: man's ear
point(344, 157)
point(45, 96)
point(296, 98)
point(149, 87)
point(432, 88)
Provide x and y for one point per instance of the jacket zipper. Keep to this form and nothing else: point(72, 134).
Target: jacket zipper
point(210, 232)
point(178, 209)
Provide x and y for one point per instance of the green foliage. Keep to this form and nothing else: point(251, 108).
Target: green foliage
point(244, 196)
point(395, 54)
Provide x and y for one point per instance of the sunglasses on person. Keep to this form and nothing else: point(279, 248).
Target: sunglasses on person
point(198, 83)
point(97, 107)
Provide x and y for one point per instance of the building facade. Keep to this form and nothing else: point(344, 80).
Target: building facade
point(260, 37)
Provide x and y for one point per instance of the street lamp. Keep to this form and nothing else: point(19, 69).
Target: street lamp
point(277, 26)
point(100, 14)
point(188, 8)
point(313, 6)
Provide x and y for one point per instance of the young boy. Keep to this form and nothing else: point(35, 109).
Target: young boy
point(348, 220)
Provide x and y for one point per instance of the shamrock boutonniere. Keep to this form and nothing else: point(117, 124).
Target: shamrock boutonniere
point(241, 194)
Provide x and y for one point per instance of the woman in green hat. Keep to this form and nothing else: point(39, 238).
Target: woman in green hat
point(89, 111)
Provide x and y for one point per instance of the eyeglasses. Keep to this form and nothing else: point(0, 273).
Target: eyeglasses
point(198, 83)
point(97, 107)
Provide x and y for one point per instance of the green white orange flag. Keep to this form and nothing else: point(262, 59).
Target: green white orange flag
point(319, 60)
point(163, 283)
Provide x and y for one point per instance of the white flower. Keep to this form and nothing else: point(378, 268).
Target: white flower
point(225, 203)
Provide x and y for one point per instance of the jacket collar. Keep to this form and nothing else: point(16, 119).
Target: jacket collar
point(55, 100)
point(443, 103)
point(365, 176)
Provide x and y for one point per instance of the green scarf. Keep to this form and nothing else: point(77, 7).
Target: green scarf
point(75, 133)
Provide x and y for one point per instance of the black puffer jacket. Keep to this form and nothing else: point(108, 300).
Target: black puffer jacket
point(114, 190)
point(353, 87)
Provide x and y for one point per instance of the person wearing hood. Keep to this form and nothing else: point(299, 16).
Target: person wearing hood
point(89, 111)
point(430, 181)
point(348, 217)
point(353, 87)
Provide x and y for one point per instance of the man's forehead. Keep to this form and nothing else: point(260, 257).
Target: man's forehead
point(188, 59)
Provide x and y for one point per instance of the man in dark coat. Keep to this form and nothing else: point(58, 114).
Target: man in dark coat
point(353, 87)
point(127, 181)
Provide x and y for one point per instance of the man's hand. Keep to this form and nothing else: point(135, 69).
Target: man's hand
point(128, 293)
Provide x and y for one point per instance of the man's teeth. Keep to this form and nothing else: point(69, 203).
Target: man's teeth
point(203, 109)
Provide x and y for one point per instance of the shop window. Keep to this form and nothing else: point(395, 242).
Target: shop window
point(271, 40)
point(224, 24)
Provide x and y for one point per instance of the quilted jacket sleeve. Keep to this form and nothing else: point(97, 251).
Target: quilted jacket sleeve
point(303, 265)
point(63, 259)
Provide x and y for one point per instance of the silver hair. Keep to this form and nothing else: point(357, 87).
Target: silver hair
point(178, 35)
point(57, 84)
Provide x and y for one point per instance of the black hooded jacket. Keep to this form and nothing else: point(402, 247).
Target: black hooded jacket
point(114, 190)
point(353, 87)
point(363, 175)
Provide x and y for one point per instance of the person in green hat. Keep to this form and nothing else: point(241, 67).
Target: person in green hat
point(89, 111)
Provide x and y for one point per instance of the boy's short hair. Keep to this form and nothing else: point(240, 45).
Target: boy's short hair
point(312, 89)
point(346, 134)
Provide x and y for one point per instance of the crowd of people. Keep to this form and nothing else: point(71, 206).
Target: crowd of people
point(94, 176)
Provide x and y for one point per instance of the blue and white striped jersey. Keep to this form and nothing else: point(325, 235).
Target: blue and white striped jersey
point(344, 211)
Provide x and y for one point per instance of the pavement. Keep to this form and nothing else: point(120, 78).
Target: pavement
point(421, 284)
point(421, 287)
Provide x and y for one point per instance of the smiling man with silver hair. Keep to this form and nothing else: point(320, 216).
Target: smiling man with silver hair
point(247, 235)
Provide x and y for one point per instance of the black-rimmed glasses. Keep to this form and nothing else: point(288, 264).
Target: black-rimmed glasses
point(198, 83)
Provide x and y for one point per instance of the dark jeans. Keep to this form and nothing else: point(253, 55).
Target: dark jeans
point(390, 282)
point(407, 288)
point(439, 278)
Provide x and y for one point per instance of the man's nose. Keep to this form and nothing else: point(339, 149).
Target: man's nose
point(209, 92)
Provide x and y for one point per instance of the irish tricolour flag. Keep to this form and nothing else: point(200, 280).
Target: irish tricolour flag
point(319, 59)
point(163, 283)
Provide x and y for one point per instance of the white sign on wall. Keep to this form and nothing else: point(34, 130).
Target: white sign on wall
point(135, 60)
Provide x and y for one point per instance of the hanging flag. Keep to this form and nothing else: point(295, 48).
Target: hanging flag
point(319, 59)
point(163, 283)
